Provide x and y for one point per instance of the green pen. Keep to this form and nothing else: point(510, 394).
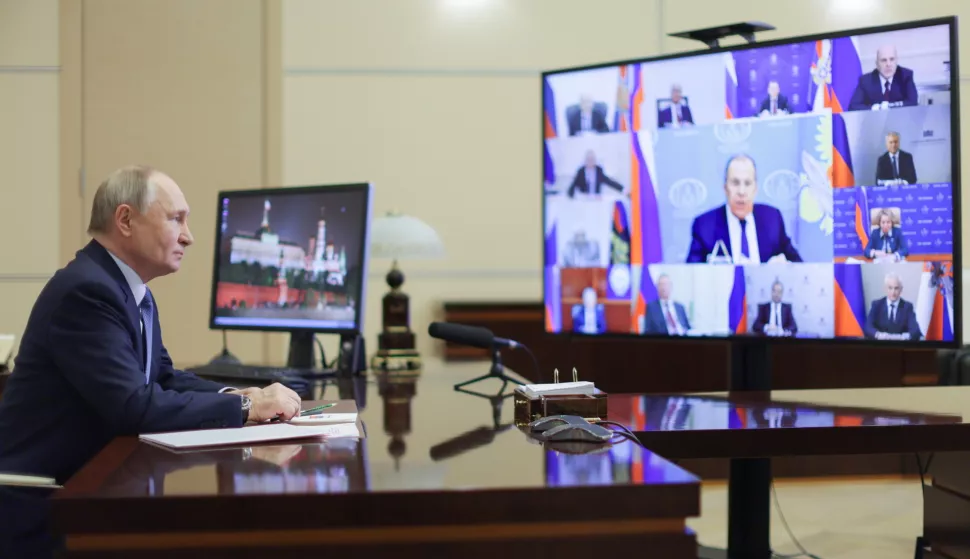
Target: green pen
point(311, 411)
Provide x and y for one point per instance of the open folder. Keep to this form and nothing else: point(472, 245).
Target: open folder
point(252, 434)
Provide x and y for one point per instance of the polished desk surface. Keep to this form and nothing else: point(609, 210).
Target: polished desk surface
point(430, 456)
point(818, 422)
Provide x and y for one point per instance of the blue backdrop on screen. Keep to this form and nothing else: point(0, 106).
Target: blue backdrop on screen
point(789, 65)
point(690, 165)
point(925, 210)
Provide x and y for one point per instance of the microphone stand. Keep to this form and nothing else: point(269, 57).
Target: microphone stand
point(496, 371)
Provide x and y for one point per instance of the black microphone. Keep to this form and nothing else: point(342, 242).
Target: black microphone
point(474, 336)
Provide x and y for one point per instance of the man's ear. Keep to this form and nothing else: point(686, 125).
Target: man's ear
point(123, 216)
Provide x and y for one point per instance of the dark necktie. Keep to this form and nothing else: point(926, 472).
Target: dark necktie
point(744, 239)
point(885, 243)
point(774, 106)
point(895, 166)
point(885, 92)
point(892, 312)
point(146, 309)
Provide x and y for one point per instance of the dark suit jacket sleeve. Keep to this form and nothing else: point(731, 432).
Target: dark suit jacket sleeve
point(599, 120)
point(93, 348)
point(884, 169)
point(912, 326)
point(910, 95)
point(785, 245)
point(869, 329)
point(909, 171)
point(696, 252)
point(575, 183)
point(901, 247)
point(858, 101)
point(871, 245)
point(171, 378)
point(791, 326)
point(607, 180)
point(759, 324)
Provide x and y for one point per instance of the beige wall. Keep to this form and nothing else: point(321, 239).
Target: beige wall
point(240, 93)
point(29, 155)
point(438, 106)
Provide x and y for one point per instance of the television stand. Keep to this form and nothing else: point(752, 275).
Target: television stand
point(749, 481)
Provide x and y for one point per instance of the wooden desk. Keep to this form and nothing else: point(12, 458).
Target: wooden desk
point(439, 474)
point(750, 428)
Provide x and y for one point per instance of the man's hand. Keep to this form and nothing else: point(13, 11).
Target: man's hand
point(274, 401)
point(777, 259)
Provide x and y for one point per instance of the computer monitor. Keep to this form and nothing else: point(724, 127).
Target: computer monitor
point(292, 259)
point(800, 189)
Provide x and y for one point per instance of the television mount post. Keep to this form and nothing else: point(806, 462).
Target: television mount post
point(711, 36)
point(749, 483)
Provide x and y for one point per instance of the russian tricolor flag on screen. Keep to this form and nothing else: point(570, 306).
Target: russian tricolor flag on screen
point(934, 303)
point(738, 304)
point(834, 77)
point(553, 286)
point(850, 304)
point(730, 87)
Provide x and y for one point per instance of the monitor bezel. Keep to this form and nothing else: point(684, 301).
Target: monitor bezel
point(364, 254)
point(957, 342)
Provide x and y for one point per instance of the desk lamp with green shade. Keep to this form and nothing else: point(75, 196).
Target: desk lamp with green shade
point(399, 237)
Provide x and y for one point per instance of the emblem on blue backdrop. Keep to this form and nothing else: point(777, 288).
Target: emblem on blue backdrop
point(687, 194)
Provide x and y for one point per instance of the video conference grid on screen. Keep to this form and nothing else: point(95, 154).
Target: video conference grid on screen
point(798, 190)
point(290, 260)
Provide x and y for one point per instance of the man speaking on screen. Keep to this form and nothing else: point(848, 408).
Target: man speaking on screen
point(749, 232)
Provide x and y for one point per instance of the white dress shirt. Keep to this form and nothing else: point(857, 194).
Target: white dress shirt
point(775, 315)
point(734, 233)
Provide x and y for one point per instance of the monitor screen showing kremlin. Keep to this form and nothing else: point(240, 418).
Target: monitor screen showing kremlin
point(291, 258)
point(803, 188)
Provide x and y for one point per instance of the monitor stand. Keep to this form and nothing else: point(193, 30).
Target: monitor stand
point(749, 482)
point(226, 357)
point(301, 351)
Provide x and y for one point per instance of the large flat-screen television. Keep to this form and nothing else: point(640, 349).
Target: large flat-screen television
point(804, 188)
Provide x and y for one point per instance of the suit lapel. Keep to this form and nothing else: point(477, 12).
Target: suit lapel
point(100, 255)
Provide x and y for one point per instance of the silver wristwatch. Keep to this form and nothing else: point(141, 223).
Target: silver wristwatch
point(247, 405)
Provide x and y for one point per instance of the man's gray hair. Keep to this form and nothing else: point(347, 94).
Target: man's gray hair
point(131, 185)
point(893, 276)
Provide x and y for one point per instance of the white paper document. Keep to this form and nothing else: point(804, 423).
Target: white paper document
point(324, 419)
point(558, 388)
point(252, 434)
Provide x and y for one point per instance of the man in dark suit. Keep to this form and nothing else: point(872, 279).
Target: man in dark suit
point(775, 103)
point(678, 113)
point(775, 318)
point(589, 317)
point(889, 83)
point(895, 164)
point(664, 316)
point(892, 317)
point(587, 117)
point(92, 365)
point(748, 232)
point(886, 239)
point(590, 178)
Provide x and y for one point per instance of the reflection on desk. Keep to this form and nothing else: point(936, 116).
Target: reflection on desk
point(446, 475)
